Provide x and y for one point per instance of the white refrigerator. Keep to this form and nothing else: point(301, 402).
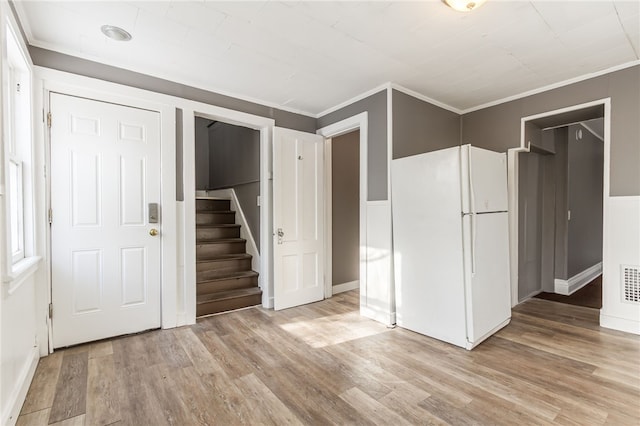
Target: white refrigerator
point(451, 244)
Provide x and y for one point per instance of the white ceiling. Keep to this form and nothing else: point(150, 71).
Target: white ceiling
point(310, 56)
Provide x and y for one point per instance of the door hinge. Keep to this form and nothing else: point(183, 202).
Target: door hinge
point(49, 119)
point(50, 310)
point(50, 216)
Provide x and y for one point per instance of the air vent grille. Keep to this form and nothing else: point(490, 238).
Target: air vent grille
point(631, 284)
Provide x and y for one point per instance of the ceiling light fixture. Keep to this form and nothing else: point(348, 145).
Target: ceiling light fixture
point(115, 33)
point(464, 5)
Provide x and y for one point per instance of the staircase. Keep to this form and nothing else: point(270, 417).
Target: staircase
point(224, 279)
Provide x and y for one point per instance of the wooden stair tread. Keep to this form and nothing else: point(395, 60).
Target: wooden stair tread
point(221, 241)
point(228, 294)
point(219, 225)
point(232, 275)
point(223, 257)
point(214, 211)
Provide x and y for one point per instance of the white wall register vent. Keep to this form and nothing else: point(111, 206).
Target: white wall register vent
point(630, 283)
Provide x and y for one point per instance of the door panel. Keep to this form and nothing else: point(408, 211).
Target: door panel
point(490, 283)
point(297, 203)
point(105, 169)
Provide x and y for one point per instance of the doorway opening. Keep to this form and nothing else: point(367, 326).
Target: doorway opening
point(561, 187)
point(227, 216)
point(342, 205)
point(357, 123)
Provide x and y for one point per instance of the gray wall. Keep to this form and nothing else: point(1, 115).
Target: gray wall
point(530, 172)
point(420, 127)
point(376, 106)
point(234, 162)
point(498, 127)
point(345, 203)
point(202, 153)
point(247, 197)
point(72, 64)
point(561, 176)
point(234, 155)
point(586, 157)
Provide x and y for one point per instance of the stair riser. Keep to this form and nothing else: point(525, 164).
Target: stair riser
point(215, 233)
point(215, 218)
point(216, 306)
point(228, 284)
point(213, 270)
point(208, 251)
point(213, 205)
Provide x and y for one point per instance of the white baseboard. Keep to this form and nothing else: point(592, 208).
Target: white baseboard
point(341, 288)
point(575, 283)
point(19, 393)
point(621, 324)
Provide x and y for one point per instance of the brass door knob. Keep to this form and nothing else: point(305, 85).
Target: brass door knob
point(153, 232)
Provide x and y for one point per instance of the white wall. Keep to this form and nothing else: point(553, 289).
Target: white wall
point(621, 247)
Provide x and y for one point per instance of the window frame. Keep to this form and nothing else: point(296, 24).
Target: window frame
point(17, 199)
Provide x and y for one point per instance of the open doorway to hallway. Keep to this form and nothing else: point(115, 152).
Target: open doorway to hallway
point(560, 205)
point(343, 216)
point(227, 171)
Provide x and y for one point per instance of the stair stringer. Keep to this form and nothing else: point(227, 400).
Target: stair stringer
point(245, 231)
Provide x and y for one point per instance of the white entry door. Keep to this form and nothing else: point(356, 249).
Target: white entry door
point(298, 222)
point(105, 170)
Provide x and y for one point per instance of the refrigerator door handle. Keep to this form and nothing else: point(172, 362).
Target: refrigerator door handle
point(473, 244)
point(472, 195)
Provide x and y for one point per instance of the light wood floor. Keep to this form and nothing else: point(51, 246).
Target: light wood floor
point(324, 364)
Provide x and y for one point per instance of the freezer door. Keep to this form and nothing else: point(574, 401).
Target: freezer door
point(487, 285)
point(484, 180)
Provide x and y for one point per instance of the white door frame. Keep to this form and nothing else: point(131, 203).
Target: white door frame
point(265, 127)
point(512, 171)
point(357, 122)
point(67, 84)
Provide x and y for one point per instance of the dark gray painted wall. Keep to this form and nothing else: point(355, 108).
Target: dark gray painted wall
point(420, 127)
point(75, 65)
point(561, 177)
point(529, 223)
point(498, 127)
point(247, 197)
point(234, 155)
point(345, 204)
point(586, 157)
point(234, 162)
point(376, 106)
point(202, 153)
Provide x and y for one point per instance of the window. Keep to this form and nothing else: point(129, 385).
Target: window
point(18, 199)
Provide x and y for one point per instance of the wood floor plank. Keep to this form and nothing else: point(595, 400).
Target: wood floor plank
point(74, 421)
point(103, 392)
point(71, 389)
point(369, 408)
point(35, 418)
point(267, 408)
point(43, 386)
point(323, 364)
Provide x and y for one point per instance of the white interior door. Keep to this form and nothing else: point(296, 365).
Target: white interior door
point(298, 222)
point(105, 170)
